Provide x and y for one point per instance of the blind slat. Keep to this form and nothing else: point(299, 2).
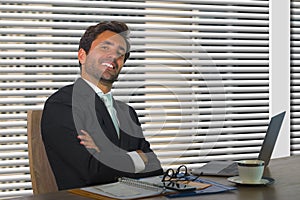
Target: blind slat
point(180, 6)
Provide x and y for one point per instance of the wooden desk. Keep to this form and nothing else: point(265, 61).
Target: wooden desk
point(285, 171)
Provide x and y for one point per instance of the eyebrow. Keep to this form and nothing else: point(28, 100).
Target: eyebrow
point(111, 44)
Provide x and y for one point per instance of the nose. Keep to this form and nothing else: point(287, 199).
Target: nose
point(113, 54)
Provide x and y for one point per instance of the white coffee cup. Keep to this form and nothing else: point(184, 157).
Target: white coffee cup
point(251, 171)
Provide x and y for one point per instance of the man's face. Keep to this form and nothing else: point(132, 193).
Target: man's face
point(105, 58)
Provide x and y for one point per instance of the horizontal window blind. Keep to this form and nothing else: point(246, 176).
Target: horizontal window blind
point(295, 77)
point(198, 74)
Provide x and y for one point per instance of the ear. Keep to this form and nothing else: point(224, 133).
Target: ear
point(81, 55)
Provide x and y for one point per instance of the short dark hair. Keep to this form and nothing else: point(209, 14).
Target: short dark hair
point(92, 32)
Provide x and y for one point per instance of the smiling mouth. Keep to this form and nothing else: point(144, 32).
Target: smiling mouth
point(108, 65)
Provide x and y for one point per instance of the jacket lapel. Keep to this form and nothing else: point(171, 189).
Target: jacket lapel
point(102, 113)
point(108, 126)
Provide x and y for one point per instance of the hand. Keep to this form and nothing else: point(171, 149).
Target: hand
point(87, 141)
point(143, 156)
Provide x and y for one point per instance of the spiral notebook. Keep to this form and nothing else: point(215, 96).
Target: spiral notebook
point(125, 188)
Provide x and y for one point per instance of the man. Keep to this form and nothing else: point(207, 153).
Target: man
point(87, 141)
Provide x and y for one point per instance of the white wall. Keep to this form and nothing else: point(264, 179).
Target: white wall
point(280, 71)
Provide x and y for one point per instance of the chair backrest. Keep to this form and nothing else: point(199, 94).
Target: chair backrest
point(42, 178)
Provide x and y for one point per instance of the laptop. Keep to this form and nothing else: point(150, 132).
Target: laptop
point(229, 168)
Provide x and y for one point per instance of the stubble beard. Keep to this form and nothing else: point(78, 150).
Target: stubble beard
point(111, 80)
point(101, 75)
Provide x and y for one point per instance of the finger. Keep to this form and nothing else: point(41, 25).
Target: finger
point(82, 138)
point(84, 133)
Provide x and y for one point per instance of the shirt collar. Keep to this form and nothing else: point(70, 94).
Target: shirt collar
point(98, 90)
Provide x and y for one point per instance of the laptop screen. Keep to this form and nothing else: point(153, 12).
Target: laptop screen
point(270, 138)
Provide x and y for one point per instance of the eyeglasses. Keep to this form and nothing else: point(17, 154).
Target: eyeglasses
point(172, 175)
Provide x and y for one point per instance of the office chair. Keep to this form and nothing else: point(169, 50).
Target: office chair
point(42, 178)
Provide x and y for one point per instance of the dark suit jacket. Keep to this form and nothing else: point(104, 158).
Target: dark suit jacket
point(75, 107)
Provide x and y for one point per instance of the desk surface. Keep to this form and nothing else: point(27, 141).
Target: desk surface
point(285, 171)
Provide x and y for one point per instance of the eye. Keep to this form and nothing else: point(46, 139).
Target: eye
point(105, 48)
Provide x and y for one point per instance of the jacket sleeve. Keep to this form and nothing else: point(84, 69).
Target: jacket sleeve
point(153, 166)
